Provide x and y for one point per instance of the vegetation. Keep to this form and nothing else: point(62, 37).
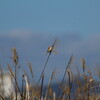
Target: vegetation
point(82, 86)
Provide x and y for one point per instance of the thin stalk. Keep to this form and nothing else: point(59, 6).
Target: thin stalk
point(15, 60)
point(54, 96)
point(88, 93)
point(74, 85)
point(62, 95)
point(31, 70)
point(70, 87)
point(2, 79)
point(49, 85)
point(44, 68)
point(41, 86)
point(50, 52)
point(16, 81)
point(69, 84)
point(68, 65)
point(22, 88)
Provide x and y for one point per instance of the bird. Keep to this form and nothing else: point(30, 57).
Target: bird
point(50, 48)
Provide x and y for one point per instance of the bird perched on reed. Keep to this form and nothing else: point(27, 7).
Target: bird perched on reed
point(52, 47)
point(49, 50)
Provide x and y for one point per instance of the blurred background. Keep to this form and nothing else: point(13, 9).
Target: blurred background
point(32, 25)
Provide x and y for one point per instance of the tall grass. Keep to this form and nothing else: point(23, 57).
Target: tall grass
point(80, 86)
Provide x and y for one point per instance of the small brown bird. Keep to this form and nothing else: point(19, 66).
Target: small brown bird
point(50, 49)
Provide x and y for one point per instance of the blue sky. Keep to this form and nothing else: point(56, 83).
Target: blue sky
point(50, 16)
point(32, 25)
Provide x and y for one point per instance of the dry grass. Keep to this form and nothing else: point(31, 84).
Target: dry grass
point(77, 87)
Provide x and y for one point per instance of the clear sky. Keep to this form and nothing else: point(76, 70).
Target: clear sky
point(50, 16)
